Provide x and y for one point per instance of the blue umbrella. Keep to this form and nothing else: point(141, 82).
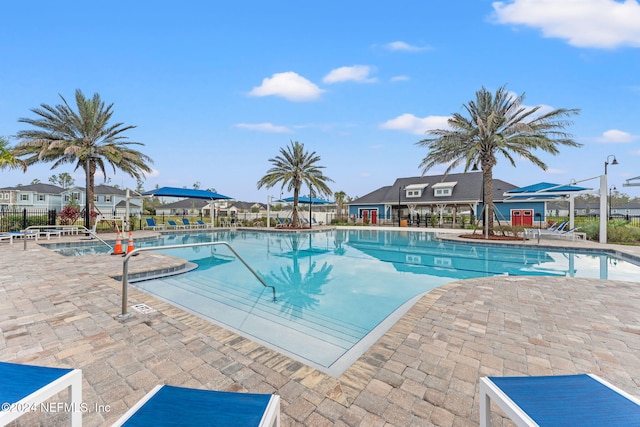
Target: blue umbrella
point(184, 192)
point(307, 200)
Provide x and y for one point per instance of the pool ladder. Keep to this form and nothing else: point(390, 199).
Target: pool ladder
point(127, 257)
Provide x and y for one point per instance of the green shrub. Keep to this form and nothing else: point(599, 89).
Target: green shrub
point(618, 231)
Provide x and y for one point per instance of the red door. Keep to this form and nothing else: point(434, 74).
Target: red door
point(365, 215)
point(374, 217)
point(522, 217)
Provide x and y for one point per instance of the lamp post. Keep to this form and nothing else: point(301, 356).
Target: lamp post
point(606, 163)
point(399, 193)
point(485, 220)
point(611, 190)
point(310, 204)
point(269, 199)
point(87, 202)
point(603, 199)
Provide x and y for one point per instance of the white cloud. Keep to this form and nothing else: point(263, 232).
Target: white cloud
point(264, 127)
point(416, 125)
point(400, 46)
point(399, 78)
point(615, 135)
point(583, 23)
point(153, 174)
point(288, 85)
point(355, 73)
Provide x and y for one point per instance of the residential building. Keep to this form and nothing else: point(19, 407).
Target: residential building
point(109, 201)
point(33, 196)
point(431, 198)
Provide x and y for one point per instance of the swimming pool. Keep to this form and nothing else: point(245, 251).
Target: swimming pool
point(338, 291)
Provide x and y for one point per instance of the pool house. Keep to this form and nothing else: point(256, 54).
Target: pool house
point(442, 200)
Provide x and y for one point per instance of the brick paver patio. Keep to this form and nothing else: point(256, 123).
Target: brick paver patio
point(62, 311)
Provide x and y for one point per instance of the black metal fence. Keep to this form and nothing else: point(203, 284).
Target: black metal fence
point(19, 219)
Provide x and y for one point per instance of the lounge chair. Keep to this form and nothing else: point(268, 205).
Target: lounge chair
point(570, 400)
point(203, 224)
point(169, 405)
point(572, 234)
point(25, 387)
point(48, 232)
point(553, 228)
point(25, 234)
point(187, 224)
point(151, 223)
point(70, 229)
point(173, 225)
point(7, 236)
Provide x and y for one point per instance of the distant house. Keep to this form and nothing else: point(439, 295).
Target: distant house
point(561, 209)
point(630, 209)
point(242, 207)
point(184, 207)
point(202, 207)
point(109, 201)
point(33, 196)
point(452, 195)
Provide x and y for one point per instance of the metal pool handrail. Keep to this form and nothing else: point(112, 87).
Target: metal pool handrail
point(94, 234)
point(81, 229)
point(127, 257)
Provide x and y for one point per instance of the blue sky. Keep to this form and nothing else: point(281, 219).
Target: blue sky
point(217, 88)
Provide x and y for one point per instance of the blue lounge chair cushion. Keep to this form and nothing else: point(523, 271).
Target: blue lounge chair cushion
point(18, 381)
point(29, 385)
point(179, 406)
point(576, 400)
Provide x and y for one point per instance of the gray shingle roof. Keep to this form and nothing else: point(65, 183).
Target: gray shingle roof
point(37, 188)
point(186, 204)
point(467, 189)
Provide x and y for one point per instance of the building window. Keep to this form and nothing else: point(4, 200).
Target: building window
point(440, 192)
point(41, 197)
point(6, 195)
point(443, 189)
point(107, 198)
point(95, 198)
point(414, 190)
point(24, 197)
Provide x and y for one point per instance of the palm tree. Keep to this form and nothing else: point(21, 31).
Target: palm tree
point(8, 158)
point(498, 124)
point(294, 167)
point(84, 138)
point(339, 197)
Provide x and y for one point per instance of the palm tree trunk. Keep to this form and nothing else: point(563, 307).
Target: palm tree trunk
point(487, 220)
point(92, 180)
point(295, 220)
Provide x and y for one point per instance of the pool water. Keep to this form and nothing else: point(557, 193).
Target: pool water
point(338, 291)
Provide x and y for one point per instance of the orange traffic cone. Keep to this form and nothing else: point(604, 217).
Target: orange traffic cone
point(130, 243)
point(117, 250)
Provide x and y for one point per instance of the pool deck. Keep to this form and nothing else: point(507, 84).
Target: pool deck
point(62, 311)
